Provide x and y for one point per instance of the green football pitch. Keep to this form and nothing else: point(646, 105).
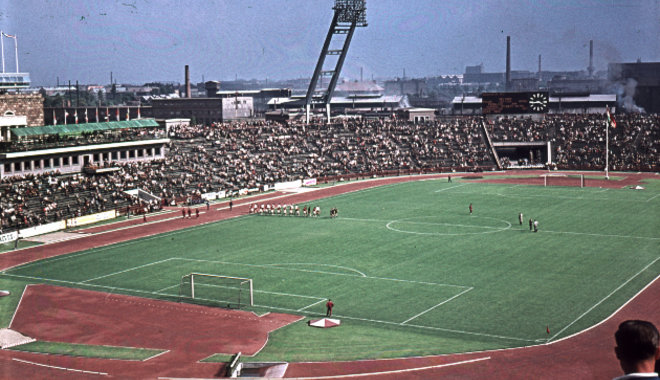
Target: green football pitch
point(410, 270)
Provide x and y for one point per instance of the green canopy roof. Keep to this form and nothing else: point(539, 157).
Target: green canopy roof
point(76, 129)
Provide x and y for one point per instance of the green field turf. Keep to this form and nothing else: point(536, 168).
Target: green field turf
point(409, 270)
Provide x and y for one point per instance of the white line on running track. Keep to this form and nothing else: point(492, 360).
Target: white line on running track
point(62, 368)
point(453, 187)
point(606, 297)
point(601, 235)
point(127, 270)
point(19, 304)
point(365, 374)
point(440, 304)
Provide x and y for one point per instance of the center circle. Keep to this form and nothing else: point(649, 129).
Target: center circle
point(448, 225)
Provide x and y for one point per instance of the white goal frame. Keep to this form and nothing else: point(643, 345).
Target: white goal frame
point(240, 280)
point(575, 176)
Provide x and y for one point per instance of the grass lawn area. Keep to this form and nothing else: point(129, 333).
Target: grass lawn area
point(88, 351)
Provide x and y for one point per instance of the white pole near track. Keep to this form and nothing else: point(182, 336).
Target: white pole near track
point(192, 286)
point(607, 150)
point(251, 294)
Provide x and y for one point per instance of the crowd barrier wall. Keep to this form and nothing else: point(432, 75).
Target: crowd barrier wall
point(89, 219)
point(8, 237)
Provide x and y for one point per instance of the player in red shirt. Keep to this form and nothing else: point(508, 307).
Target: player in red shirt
point(470, 208)
point(328, 308)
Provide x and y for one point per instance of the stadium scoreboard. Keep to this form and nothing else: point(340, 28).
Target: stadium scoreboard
point(514, 102)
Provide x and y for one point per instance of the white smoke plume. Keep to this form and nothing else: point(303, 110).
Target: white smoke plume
point(626, 96)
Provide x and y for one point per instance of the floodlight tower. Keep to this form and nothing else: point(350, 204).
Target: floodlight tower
point(349, 14)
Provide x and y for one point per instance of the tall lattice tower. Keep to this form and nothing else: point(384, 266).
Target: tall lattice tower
point(349, 14)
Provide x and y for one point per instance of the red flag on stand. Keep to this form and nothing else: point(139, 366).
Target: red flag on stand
point(610, 118)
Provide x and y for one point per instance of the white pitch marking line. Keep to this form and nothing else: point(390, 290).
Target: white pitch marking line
point(449, 188)
point(606, 297)
point(440, 304)
point(314, 304)
point(324, 265)
point(409, 325)
point(600, 235)
point(653, 197)
point(126, 270)
point(166, 288)
point(447, 224)
point(289, 310)
point(111, 288)
point(314, 271)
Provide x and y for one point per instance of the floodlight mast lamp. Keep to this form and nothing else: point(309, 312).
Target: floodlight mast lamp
point(349, 14)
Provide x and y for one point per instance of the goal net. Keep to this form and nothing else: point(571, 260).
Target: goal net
point(216, 289)
point(576, 180)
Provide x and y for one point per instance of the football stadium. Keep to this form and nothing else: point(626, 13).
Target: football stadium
point(503, 227)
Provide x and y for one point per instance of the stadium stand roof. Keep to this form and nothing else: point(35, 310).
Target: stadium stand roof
point(76, 129)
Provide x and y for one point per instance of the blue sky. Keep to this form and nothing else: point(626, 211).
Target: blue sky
point(152, 40)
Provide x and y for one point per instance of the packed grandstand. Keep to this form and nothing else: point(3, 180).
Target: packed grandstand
point(229, 157)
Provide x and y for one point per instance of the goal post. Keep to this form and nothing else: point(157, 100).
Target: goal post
point(215, 288)
point(575, 180)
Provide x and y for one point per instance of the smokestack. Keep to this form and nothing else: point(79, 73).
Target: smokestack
point(591, 58)
point(188, 82)
point(540, 67)
point(507, 85)
point(360, 74)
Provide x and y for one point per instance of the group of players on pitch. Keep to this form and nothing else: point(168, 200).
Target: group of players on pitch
point(291, 210)
point(533, 223)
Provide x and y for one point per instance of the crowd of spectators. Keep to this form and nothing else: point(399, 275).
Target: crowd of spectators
point(578, 141)
point(245, 155)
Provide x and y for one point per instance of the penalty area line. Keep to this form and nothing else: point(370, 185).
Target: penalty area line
point(314, 304)
point(449, 188)
point(440, 304)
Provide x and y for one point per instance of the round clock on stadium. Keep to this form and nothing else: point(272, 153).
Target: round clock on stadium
point(538, 102)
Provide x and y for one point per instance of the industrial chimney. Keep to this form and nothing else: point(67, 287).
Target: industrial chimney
point(540, 77)
point(188, 82)
point(507, 85)
point(591, 58)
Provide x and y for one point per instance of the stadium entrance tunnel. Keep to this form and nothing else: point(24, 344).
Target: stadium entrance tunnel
point(445, 225)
